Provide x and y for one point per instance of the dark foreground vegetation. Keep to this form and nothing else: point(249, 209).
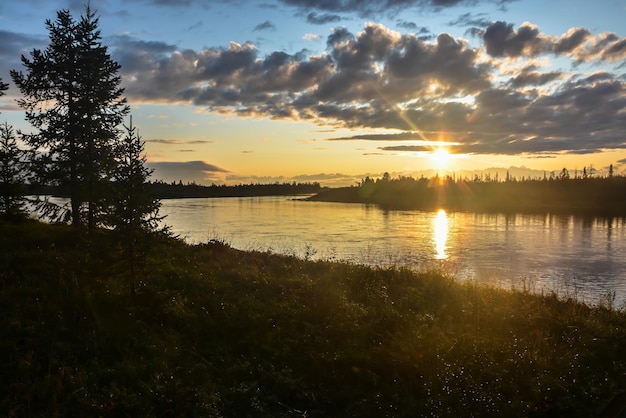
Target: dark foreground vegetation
point(584, 195)
point(213, 331)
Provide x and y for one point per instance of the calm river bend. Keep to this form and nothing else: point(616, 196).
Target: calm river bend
point(575, 256)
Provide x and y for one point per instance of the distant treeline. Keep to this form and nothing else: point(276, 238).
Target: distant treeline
point(590, 195)
point(162, 190)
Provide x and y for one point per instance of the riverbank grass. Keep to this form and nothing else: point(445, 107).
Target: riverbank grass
point(214, 331)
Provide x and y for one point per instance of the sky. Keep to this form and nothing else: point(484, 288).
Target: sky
point(243, 91)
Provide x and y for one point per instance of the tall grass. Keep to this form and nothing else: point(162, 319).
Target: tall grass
point(218, 332)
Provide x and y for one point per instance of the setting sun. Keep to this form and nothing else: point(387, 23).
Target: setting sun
point(441, 157)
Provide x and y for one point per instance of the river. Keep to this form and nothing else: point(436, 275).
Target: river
point(581, 257)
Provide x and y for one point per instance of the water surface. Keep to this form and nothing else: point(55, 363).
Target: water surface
point(574, 256)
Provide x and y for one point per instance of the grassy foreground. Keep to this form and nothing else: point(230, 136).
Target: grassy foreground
point(218, 332)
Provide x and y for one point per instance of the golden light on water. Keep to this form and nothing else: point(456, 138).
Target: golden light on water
point(440, 237)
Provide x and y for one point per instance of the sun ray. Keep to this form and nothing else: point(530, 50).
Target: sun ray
point(441, 157)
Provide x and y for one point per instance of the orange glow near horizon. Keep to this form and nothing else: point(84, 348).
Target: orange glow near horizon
point(441, 157)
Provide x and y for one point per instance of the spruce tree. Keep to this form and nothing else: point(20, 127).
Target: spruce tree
point(12, 178)
point(133, 206)
point(134, 212)
point(102, 101)
point(72, 96)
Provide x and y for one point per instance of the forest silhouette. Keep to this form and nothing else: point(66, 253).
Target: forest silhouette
point(604, 196)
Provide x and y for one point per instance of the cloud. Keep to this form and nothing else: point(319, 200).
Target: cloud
point(267, 25)
point(15, 44)
point(581, 117)
point(529, 77)
point(325, 179)
point(571, 40)
point(408, 25)
point(188, 171)
point(178, 141)
point(405, 148)
point(195, 26)
point(172, 3)
point(385, 7)
point(137, 56)
point(319, 177)
point(475, 20)
point(362, 8)
point(194, 166)
point(427, 88)
point(502, 40)
point(12, 47)
point(126, 42)
point(423, 32)
point(317, 19)
point(403, 136)
point(311, 37)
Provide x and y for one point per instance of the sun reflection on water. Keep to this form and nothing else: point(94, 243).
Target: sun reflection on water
point(440, 237)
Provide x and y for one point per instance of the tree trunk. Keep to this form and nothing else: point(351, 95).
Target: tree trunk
point(131, 277)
